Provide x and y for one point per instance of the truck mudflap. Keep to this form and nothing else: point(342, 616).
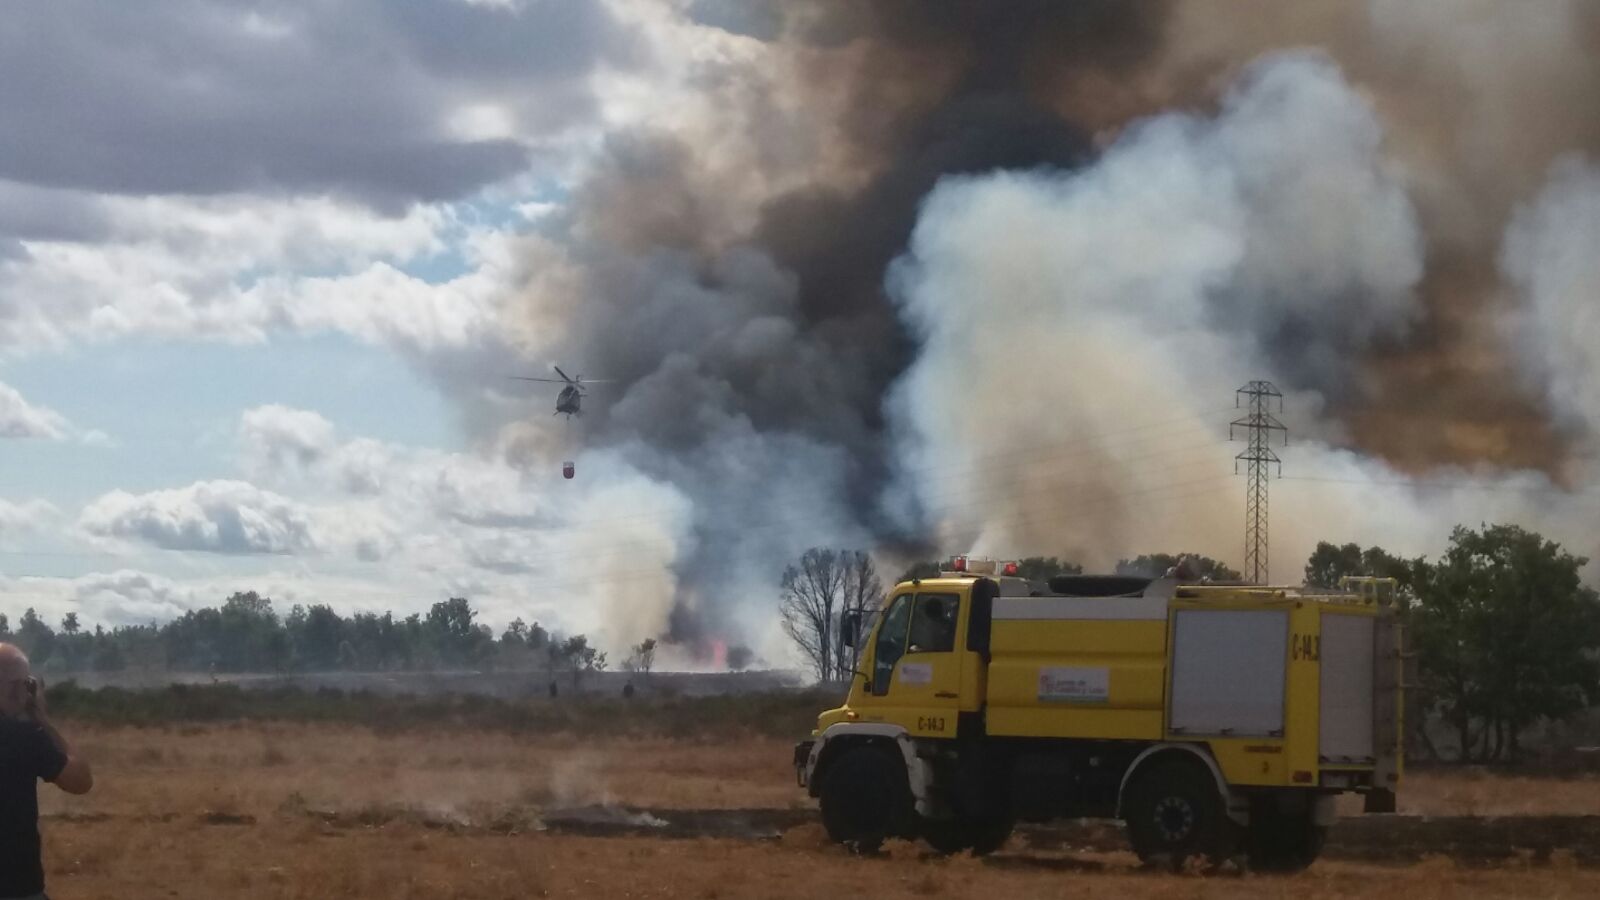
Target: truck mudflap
point(1379, 800)
point(802, 762)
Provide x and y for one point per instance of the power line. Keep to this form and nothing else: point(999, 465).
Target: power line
point(1182, 489)
point(1424, 484)
point(949, 499)
point(984, 463)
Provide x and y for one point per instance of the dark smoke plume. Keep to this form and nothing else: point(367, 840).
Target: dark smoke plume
point(753, 366)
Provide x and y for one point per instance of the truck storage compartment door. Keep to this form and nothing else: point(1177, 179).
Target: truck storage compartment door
point(1346, 689)
point(1228, 672)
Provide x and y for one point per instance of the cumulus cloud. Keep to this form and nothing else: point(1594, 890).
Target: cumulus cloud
point(21, 419)
point(278, 435)
point(187, 267)
point(474, 524)
point(230, 517)
point(26, 516)
point(129, 597)
point(351, 98)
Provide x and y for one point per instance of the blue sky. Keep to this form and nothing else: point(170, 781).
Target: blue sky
point(256, 267)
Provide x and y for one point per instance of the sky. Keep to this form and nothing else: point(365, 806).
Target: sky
point(918, 279)
point(241, 245)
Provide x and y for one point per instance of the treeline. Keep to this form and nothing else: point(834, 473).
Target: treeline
point(245, 634)
point(775, 713)
point(1149, 565)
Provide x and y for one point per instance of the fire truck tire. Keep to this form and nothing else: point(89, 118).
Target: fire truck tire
point(863, 797)
point(1283, 842)
point(1174, 813)
point(982, 836)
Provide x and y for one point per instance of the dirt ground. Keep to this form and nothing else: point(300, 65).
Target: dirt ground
point(295, 811)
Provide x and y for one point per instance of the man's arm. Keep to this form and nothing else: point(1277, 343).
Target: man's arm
point(75, 776)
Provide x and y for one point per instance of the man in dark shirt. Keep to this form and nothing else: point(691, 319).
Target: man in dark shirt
point(30, 749)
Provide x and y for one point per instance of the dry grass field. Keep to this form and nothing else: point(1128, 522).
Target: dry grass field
point(327, 811)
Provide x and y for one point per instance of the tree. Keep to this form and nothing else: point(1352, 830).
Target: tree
point(1329, 563)
point(816, 593)
point(1155, 565)
point(35, 637)
point(740, 657)
point(69, 623)
point(1042, 568)
point(1505, 633)
point(641, 657)
point(581, 657)
point(516, 634)
point(451, 630)
point(924, 569)
point(319, 639)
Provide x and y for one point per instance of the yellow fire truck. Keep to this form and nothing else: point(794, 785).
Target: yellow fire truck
point(1216, 721)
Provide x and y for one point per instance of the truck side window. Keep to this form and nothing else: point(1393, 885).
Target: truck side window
point(933, 624)
point(891, 643)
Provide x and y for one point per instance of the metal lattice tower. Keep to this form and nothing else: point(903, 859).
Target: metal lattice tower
point(1260, 424)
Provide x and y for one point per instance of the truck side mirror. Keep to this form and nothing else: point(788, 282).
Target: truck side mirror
point(850, 628)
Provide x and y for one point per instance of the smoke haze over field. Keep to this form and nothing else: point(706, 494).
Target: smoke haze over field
point(919, 277)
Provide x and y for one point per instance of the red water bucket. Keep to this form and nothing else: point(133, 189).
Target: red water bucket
point(567, 469)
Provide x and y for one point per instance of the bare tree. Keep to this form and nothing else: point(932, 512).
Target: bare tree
point(863, 590)
point(641, 657)
point(816, 593)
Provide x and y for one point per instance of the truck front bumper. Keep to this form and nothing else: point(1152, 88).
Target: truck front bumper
point(802, 760)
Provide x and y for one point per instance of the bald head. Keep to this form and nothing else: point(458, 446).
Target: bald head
point(13, 662)
point(14, 673)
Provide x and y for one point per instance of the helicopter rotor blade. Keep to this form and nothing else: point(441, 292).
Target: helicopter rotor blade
point(526, 378)
point(562, 374)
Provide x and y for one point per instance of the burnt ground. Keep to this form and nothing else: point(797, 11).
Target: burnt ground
point(1373, 839)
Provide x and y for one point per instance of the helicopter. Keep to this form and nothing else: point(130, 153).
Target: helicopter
point(570, 400)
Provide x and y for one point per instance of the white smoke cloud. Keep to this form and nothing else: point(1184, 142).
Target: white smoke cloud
point(1552, 256)
point(1071, 312)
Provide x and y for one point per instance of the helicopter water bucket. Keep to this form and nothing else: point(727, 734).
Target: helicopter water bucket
point(568, 469)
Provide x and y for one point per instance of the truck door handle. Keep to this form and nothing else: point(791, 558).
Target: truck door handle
point(947, 695)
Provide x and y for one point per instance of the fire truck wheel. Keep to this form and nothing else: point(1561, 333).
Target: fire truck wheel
point(863, 795)
point(1174, 814)
point(1283, 842)
point(947, 836)
point(982, 836)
